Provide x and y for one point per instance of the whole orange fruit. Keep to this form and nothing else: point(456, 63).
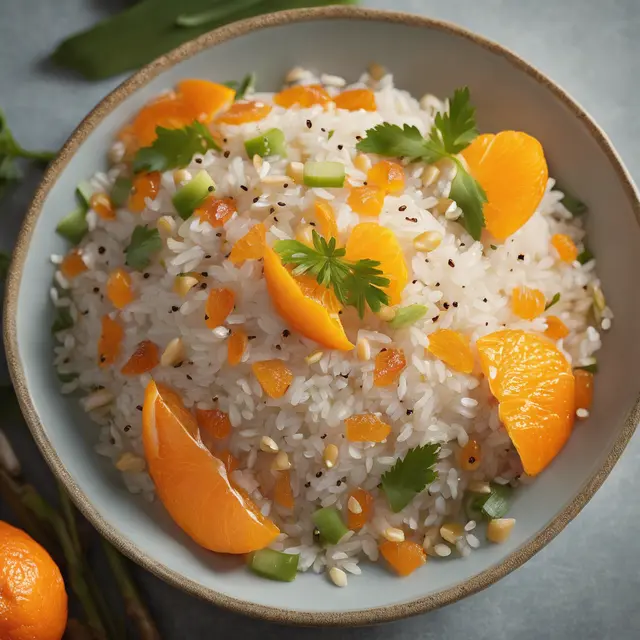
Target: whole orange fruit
point(33, 600)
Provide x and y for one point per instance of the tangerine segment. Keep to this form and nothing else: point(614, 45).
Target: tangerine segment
point(214, 422)
point(326, 218)
point(584, 389)
point(282, 492)
point(367, 427)
point(145, 358)
point(366, 200)
point(216, 211)
point(72, 265)
point(250, 246)
point(356, 521)
point(556, 329)
point(403, 557)
point(452, 347)
point(370, 240)
point(102, 205)
point(389, 365)
point(33, 600)
point(527, 303)
point(302, 96)
point(512, 169)
point(387, 175)
point(230, 462)
point(274, 377)
point(566, 248)
point(356, 99)
point(236, 347)
point(220, 304)
point(243, 112)
point(120, 288)
point(534, 385)
point(168, 111)
point(203, 99)
point(145, 185)
point(194, 485)
point(110, 341)
point(304, 305)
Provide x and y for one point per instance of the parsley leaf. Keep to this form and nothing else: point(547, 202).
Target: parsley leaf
point(174, 148)
point(356, 284)
point(143, 244)
point(470, 197)
point(554, 300)
point(456, 129)
point(409, 476)
point(406, 142)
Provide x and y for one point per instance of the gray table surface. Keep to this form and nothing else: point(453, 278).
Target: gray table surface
point(586, 583)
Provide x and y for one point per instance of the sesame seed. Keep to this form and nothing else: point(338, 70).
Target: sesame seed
point(282, 204)
point(244, 187)
point(340, 147)
point(435, 319)
point(402, 208)
point(226, 154)
point(323, 130)
point(210, 189)
point(198, 160)
point(256, 199)
point(455, 304)
point(521, 256)
point(146, 276)
point(451, 263)
point(275, 219)
point(101, 250)
point(271, 210)
point(174, 308)
point(309, 124)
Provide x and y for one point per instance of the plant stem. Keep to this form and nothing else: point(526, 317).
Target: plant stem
point(38, 156)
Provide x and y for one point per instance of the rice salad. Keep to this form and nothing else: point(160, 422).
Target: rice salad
point(330, 324)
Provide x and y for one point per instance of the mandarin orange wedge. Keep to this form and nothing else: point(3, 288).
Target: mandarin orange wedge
point(243, 112)
point(204, 99)
point(304, 305)
point(302, 96)
point(120, 288)
point(565, 246)
point(326, 218)
point(216, 211)
point(214, 422)
point(556, 329)
point(584, 389)
point(250, 246)
point(534, 386)
point(274, 376)
point(527, 303)
point(356, 99)
point(72, 265)
point(282, 492)
point(193, 484)
point(511, 168)
point(145, 185)
point(452, 347)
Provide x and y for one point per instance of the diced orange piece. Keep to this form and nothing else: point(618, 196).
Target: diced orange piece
point(145, 358)
point(274, 377)
point(389, 365)
point(250, 246)
point(356, 521)
point(102, 205)
point(452, 347)
point(366, 200)
point(120, 288)
point(471, 455)
point(584, 388)
point(367, 427)
point(145, 185)
point(302, 96)
point(216, 211)
point(204, 99)
point(512, 169)
point(373, 241)
point(236, 346)
point(110, 341)
point(219, 305)
point(243, 112)
point(527, 303)
point(72, 265)
point(214, 422)
point(282, 492)
point(556, 329)
point(230, 462)
point(193, 484)
point(403, 557)
point(168, 111)
point(356, 99)
point(326, 219)
point(566, 248)
point(387, 175)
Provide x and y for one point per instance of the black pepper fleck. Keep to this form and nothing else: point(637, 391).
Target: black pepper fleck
point(203, 285)
point(323, 436)
point(307, 484)
point(313, 224)
point(358, 137)
point(146, 275)
point(256, 199)
point(101, 250)
point(451, 263)
point(521, 256)
point(309, 124)
point(455, 304)
point(139, 407)
point(218, 235)
point(484, 299)
point(340, 147)
point(446, 305)
point(411, 219)
point(437, 284)
point(285, 185)
point(282, 204)
point(338, 483)
point(402, 208)
point(319, 474)
point(251, 337)
point(127, 427)
point(102, 359)
point(204, 274)
point(279, 347)
point(409, 412)
point(286, 333)
point(198, 160)
point(210, 189)
point(472, 460)
point(96, 290)
point(206, 317)
point(275, 219)
point(226, 154)
point(413, 281)
point(323, 129)
point(189, 377)
point(208, 256)
point(244, 187)
point(174, 308)
point(435, 319)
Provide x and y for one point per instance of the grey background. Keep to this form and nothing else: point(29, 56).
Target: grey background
point(586, 583)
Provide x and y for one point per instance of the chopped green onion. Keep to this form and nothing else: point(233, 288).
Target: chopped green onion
point(330, 134)
point(330, 525)
point(324, 174)
point(62, 320)
point(585, 256)
point(473, 503)
point(554, 300)
point(120, 191)
point(274, 565)
point(497, 503)
point(406, 316)
point(192, 195)
point(599, 303)
point(246, 86)
point(270, 143)
point(85, 191)
point(74, 226)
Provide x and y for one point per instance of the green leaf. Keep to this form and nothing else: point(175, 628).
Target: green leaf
point(62, 320)
point(571, 203)
point(121, 190)
point(5, 261)
point(406, 316)
point(591, 368)
point(554, 300)
point(410, 476)
point(199, 19)
point(144, 243)
point(174, 148)
point(330, 134)
point(407, 142)
point(247, 85)
point(456, 129)
point(470, 197)
point(585, 256)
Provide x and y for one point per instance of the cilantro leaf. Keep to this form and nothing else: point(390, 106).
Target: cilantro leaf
point(410, 475)
point(470, 197)
point(406, 142)
point(554, 300)
point(143, 244)
point(456, 129)
point(174, 148)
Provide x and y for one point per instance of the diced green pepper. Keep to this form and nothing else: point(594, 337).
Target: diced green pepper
point(324, 174)
point(270, 143)
point(473, 503)
point(330, 525)
point(62, 320)
point(74, 226)
point(406, 316)
point(274, 565)
point(84, 190)
point(497, 503)
point(188, 198)
point(120, 191)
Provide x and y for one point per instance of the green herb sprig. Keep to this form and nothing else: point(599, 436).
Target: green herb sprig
point(144, 243)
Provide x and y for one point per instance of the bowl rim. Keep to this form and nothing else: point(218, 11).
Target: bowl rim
point(276, 614)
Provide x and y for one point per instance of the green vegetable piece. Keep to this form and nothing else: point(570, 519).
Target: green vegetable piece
point(554, 300)
point(473, 503)
point(330, 134)
point(120, 191)
point(585, 256)
point(246, 86)
point(406, 316)
point(497, 503)
point(74, 226)
point(144, 243)
point(270, 143)
point(188, 198)
point(571, 203)
point(470, 197)
point(591, 368)
point(199, 19)
point(324, 174)
point(274, 564)
point(84, 191)
point(62, 320)
point(410, 476)
point(330, 525)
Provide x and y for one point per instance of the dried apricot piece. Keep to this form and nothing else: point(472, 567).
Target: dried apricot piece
point(356, 99)
point(470, 455)
point(326, 218)
point(145, 185)
point(243, 112)
point(120, 288)
point(214, 422)
point(583, 389)
point(274, 377)
point(527, 303)
point(387, 175)
point(556, 329)
point(72, 265)
point(565, 246)
point(389, 365)
point(302, 96)
point(359, 514)
point(110, 341)
point(219, 305)
point(145, 358)
point(236, 346)
point(452, 347)
point(403, 557)
point(366, 200)
point(250, 246)
point(367, 427)
point(204, 99)
point(216, 211)
point(102, 205)
point(282, 492)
